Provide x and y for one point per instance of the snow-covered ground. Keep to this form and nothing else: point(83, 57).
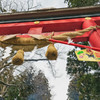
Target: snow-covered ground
point(56, 73)
point(58, 79)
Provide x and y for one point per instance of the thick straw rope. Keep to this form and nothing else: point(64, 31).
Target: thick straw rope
point(39, 40)
point(64, 36)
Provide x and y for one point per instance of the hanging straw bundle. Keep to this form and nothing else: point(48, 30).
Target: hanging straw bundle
point(51, 53)
point(18, 59)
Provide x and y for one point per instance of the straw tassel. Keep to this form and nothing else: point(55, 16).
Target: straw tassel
point(51, 53)
point(18, 59)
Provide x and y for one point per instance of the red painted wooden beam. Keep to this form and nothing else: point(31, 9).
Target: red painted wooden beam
point(47, 27)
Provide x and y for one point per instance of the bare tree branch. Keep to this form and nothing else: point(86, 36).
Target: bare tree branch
point(36, 60)
point(53, 72)
point(3, 83)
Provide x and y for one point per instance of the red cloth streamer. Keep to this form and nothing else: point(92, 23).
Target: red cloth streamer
point(73, 44)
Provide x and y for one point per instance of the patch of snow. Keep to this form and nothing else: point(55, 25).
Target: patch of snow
point(56, 75)
point(7, 52)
